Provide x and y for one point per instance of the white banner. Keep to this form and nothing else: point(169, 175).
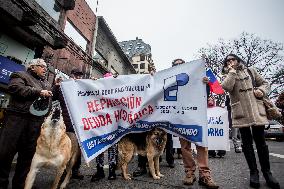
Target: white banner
point(104, 110)
point(218, 130)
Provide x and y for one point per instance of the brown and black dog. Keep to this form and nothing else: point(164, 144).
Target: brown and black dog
point(55, 148)
point(150, 144)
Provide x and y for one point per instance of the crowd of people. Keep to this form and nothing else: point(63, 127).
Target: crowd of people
point(246, 112)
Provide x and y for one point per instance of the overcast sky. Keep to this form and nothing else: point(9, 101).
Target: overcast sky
point(179, 28)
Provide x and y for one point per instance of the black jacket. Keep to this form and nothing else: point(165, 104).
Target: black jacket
point(25, 87)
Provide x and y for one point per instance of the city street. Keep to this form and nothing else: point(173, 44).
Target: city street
point(229, 172)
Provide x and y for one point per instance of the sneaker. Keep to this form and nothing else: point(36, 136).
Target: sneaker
point(208, 182)
point(189, 180)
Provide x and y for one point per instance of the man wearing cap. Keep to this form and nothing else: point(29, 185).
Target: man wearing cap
point(57, 95)
point(22, 127)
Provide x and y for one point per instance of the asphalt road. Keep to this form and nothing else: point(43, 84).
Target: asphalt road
point(229, 172)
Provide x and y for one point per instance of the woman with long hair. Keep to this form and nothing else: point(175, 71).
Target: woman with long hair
point(248, 114)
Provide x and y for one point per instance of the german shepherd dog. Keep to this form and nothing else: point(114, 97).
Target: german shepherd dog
point(150, 144)
point(55, 148)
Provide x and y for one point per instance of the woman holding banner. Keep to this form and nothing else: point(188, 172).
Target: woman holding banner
point(248, 114)
point(112, 158)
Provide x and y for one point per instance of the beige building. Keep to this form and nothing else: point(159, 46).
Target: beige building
point(139, 54)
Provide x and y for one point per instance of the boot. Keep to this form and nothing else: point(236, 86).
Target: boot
point(190, 178)
point(211, 153)
point(100, 174)
point(112, 175)
point(77, 175)
point(221, 153)
point(251, 161)
point(263, 155)
point(238, 149)
point(208, 182)
point(139, 171)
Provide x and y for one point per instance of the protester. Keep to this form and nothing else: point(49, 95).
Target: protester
point(248, 114)
point(141, 168)
point(280, 104)
point(112, 158)
point(234, 130)
point(142, 160)
point(170, 151)
point(205, 177)
point(58, 95)
point(212, 153)
point(22, 127)
point(178, 151)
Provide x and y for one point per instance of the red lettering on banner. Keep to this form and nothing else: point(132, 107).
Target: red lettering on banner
point(90, 106)
point(102, 101)
point(86, 124)
point(96, 122)
point(98, 107)
point(131, 117)
point(130, 102)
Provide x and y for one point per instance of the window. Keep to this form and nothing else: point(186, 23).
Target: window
point(113, 71)
point(72, 33)
point(142, 66)
point(142, 57)
point(135, 66)
point(99, 59)
point(51, 7)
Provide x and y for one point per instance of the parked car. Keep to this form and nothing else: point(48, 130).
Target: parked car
point(274, 130)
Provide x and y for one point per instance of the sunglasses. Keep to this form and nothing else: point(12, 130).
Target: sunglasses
point(230, 59)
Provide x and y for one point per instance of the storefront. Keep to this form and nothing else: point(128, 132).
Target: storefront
point(7, 67)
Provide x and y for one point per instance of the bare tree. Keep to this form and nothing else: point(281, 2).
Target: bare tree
point(264, 55)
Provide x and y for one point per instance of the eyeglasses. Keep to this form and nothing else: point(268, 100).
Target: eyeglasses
point(42, 66)
point(230, 59)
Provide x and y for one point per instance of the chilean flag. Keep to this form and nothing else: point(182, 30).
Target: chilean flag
point(215, 86)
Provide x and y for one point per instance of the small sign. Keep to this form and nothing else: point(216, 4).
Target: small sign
point(7, 67)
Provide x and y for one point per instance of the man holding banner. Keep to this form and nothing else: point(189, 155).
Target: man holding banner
point(202, 155)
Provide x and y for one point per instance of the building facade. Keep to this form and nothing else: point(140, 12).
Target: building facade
point(140, 55)
point(78, 26)
point(26, 30)
point(108, 55)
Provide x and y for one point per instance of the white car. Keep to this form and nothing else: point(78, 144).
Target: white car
point(274, 130)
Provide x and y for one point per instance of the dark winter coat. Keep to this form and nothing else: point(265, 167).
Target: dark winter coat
point(247, 110)
point(57, 95)
point(25, 88)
